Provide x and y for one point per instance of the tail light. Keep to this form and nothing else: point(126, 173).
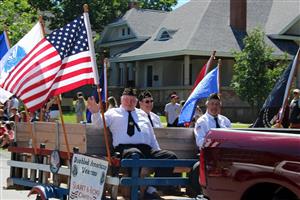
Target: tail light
point(202, 178)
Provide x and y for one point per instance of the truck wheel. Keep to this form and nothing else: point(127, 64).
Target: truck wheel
point(194, 179)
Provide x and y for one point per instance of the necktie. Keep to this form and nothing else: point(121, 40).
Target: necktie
point(130, 127)
point(150, 120)
point(217, 123)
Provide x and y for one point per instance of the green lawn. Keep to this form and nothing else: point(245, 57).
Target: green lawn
point(69, 117)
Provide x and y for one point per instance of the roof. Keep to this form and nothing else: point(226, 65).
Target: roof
point(142, 22)
point(203, 26)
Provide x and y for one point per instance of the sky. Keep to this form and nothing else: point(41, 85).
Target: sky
point(180, 3)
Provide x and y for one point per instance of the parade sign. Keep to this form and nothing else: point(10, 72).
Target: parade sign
point(87, 177)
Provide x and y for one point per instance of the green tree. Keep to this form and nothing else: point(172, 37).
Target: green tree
point(101, 12)
point(18, 17)
point(255, 70)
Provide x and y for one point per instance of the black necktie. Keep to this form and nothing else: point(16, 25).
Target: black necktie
point(217, 123)
point(130, 127)
point(150, 120)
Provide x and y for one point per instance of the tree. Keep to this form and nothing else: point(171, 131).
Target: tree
point(101, 12)
point(255, 70)
point(18, 17)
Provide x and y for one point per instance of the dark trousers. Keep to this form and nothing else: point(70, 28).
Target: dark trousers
point(145, 151)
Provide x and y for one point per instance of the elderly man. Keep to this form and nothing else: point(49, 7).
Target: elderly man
point(146, 105)
point(132, 133)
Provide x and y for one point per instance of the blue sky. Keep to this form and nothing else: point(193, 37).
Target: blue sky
point(180, 3)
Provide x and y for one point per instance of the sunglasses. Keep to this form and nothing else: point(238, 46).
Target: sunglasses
point(148, 101)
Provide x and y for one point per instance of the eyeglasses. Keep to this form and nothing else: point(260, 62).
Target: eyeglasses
point(148, 101)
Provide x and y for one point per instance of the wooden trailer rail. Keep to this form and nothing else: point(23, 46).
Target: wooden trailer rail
point(90, 140)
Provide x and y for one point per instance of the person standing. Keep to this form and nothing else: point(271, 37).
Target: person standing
point(146, 105)
point(211, 119)
point(79, 107)
point(137, 138)
point(53, 109)
point(172, 111)
point(295, 110)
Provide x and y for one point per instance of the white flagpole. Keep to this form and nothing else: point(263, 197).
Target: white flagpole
point(91, 43)
point(296, 62)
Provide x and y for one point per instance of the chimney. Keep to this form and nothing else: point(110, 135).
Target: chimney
point(133, 4)
point(238, 14)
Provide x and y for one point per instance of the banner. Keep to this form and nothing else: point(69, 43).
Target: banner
point(88, 176)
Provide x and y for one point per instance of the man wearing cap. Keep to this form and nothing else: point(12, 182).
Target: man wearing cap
point(211, 119)
point(295, 110)
point(172, 111)
point(146, 105)
point(132, 133)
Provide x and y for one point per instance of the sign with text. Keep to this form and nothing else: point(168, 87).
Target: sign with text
point(88, 175)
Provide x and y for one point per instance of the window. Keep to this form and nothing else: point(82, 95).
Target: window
point(149, 75)
point(164, 36)
point(123, 31)
point(128, 31)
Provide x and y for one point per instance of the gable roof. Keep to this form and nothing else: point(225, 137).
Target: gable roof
point(142, 22)
point(203, 26)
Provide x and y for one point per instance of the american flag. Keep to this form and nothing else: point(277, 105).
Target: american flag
point(58, 63)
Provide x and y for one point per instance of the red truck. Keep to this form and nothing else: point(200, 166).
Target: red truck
point(251, 164)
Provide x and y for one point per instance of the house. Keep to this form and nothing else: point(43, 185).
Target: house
point(164, 51)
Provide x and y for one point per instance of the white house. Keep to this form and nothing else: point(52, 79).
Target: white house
point(164, 51)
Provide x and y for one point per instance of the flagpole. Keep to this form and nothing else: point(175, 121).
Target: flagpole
point(63, 126)
point(210, 61)
point(6, 36)
point(219, 75)
point(105, 64)
point(41, 21)
point(285, 101)
point(91, 45)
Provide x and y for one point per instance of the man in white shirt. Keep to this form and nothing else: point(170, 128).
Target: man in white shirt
point(211, 119)
point(172, 111)
point(132, 133)
point(146, 105)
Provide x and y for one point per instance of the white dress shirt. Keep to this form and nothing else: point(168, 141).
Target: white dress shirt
point(117, 121)
point(207, 122)
point(155, 119)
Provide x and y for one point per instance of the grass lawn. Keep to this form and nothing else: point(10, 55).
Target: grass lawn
point(69, 117)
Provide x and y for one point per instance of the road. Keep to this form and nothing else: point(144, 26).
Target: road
point(10, 194)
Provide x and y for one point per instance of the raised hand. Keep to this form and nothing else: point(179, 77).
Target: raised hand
point(92, 105)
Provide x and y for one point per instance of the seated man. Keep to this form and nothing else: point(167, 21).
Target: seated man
point(146, 105)
point(211, 119)
point(132, 133)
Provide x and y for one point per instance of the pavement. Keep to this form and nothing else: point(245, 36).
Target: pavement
point(11, 194)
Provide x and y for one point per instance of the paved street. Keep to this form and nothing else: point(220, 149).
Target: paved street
point(4, 173)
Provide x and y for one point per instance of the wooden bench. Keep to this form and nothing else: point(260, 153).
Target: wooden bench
point(90, 140)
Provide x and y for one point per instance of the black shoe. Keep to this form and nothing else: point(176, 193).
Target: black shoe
point(152, 196)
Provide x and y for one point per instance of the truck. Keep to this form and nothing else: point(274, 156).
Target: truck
point(250, 164)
